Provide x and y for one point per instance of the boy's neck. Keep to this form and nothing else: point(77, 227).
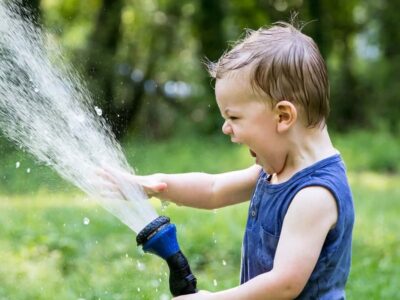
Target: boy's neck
point(306, 147)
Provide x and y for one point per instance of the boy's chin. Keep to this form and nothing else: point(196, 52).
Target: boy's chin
point(256, 159)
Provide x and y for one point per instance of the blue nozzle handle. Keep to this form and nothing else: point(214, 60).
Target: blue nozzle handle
point(159, 237)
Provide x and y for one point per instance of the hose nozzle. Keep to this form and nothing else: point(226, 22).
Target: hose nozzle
point(159, 237)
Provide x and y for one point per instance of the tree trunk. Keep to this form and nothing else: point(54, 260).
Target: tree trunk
point(208, 26)
point(100, 66)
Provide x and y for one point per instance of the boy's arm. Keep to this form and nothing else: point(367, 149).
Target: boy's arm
point(311, 215)
point(200, 190)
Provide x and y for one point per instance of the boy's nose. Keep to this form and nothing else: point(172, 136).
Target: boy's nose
point(226, 128)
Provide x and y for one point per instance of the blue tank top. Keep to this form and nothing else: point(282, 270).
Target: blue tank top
point(267, 211)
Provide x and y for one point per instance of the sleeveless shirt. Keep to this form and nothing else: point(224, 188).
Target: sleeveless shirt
point(267, 211)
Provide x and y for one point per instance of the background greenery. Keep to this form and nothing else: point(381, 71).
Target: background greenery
point(142, 61)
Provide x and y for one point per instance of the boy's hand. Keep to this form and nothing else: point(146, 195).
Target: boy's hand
point(151, 184)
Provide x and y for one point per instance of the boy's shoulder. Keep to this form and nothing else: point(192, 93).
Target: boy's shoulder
point(329, 173)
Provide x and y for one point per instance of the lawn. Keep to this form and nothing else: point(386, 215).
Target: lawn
point(54, 242)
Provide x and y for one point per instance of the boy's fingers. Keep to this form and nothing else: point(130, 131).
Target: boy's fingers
point(150, 186)
point(160, 187)
point(155, 188)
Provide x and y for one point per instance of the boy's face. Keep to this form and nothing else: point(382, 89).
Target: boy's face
point(249, 120)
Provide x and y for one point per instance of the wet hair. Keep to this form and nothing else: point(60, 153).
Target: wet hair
point(285, 64)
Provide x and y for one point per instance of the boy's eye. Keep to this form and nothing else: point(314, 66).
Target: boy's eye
point(233, 118)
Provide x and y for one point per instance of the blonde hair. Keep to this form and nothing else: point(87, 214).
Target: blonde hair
point(285, 64)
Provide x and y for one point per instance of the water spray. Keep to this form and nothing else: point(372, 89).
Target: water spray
point(46, 109)
point(159, 237)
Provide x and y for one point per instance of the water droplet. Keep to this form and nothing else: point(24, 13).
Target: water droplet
point(126, 255)
point(138, 289)
point(17, 164)
point(140, 250)
point(155, 283)
point(223, 262)
point(140, 266)
point(164, 297)
point(36, 90)
point(164, 205)
point(215, 282)
point(86, 221)
point(98, 110)
point(28, 170)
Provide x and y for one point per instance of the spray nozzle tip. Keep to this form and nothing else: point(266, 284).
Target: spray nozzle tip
point(152, 228)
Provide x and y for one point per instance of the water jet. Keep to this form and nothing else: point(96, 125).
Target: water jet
point(46, 109)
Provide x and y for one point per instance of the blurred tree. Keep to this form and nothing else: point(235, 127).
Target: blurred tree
point(387, 94)
point(335, 32)
point(208, 28)
point(123, 83)
point(101, 51)
point(133, 51)
point(146, 83)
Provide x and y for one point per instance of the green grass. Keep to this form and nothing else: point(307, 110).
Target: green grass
point(47, 251)
point(376, 248)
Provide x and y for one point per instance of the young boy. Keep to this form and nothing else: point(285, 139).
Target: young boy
point(273, 92)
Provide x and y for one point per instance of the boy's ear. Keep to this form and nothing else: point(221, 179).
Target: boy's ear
point(286, 115)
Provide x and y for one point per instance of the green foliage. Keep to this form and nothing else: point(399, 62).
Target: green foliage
point(48, 250)
point(164, 40)
point(194, 152)
point(378, 151)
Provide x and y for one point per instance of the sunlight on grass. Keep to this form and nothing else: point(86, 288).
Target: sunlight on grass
point(375, 181)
